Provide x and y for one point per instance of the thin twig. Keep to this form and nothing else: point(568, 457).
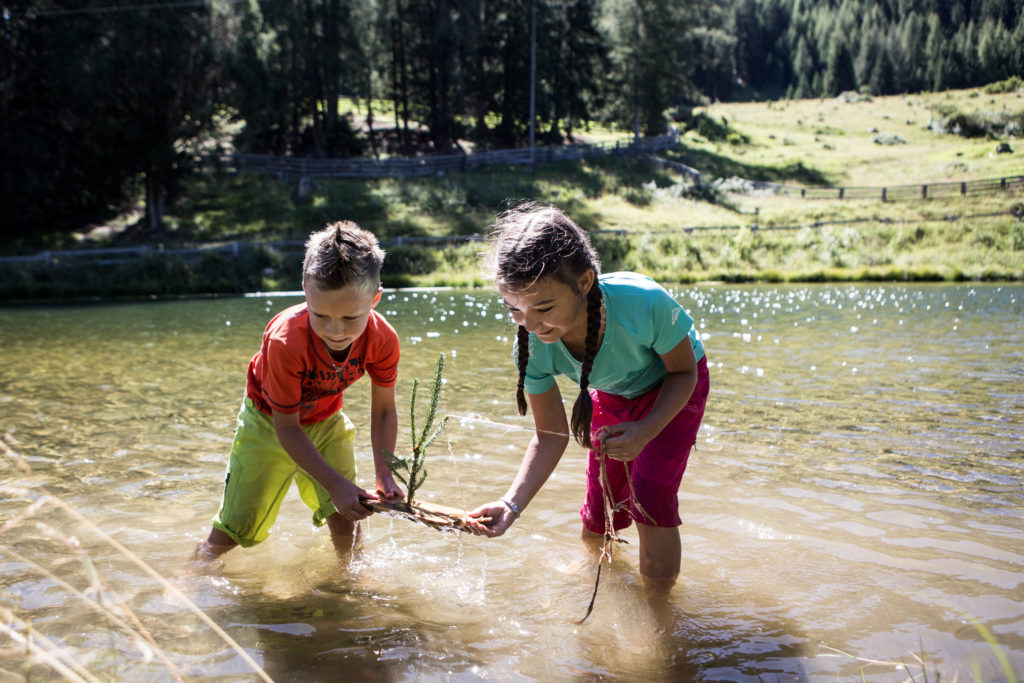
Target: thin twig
point(607, 548)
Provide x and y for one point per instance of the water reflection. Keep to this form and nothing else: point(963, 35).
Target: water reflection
point(857, 485)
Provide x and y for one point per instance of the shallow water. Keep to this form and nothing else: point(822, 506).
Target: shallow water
point(855, 493)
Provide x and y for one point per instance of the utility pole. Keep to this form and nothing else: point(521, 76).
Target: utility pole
point(533, 73)
point(636, 73)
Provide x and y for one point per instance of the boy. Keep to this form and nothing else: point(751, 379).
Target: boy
point(290, 425)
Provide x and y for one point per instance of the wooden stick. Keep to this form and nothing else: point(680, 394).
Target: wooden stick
point(440, 517)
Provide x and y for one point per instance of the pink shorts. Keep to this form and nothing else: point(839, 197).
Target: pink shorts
point(656, 472)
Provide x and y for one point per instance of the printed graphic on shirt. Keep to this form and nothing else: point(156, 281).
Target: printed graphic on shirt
point(321, 382)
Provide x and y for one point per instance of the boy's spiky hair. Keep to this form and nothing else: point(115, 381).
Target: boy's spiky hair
point(342, 254)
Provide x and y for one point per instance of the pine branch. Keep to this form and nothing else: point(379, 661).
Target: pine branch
point(412, 412)
point(434, 397)
point(416, 464)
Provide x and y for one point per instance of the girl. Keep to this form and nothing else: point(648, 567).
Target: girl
point(641, 369)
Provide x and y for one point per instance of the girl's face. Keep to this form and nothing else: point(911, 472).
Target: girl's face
point(550, 308)
point(339, 316)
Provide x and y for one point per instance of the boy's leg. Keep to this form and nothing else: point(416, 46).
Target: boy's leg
point(341, 526)
point(335, 439)
point(216, 544)
point(259, 475)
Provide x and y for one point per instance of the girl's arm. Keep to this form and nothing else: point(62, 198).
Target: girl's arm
point(542, 455)
point(383, 435)
point(345, 495)
point(625, 440)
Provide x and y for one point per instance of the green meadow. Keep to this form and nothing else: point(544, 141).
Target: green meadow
point(645, 216)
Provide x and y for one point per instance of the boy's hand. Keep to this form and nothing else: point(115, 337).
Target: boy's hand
point(387, 488)
point(348, 500)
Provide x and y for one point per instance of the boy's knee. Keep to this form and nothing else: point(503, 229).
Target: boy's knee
point(340, 526)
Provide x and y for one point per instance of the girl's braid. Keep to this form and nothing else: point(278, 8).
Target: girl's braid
point(583, 409)
point(523, 340)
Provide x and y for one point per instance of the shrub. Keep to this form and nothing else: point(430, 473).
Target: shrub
point(889, 139)
point(1011, 84)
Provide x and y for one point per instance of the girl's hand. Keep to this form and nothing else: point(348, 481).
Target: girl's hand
point(501, 518)
point(387, 488)
point(624, 441)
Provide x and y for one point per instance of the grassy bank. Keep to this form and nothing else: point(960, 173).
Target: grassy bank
point(645, 217)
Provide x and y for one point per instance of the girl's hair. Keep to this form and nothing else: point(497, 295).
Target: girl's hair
point(533, 242)
point(341, 255)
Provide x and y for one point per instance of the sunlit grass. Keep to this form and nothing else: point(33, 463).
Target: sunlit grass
point(837, 137)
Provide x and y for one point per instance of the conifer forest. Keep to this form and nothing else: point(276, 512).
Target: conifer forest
point(102, 100)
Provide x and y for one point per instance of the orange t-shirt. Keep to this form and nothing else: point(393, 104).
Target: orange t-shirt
point(293, 371)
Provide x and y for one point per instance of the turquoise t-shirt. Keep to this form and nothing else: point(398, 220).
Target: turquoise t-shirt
point(642, 321)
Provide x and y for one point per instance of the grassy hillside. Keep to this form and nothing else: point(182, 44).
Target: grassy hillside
point(645, 217)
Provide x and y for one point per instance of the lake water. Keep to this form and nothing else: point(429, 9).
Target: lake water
point(854, 503)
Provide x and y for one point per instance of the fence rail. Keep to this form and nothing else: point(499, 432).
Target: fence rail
point(898, 192)
point(440, 164)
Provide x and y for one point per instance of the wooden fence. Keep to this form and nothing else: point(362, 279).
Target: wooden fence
point(437, 165)
point(965, 188)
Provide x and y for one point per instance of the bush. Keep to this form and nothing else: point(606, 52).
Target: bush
point(1011, 84)
point(710, 129)
point(405, 260)
point(613, 250)
point(889, 139)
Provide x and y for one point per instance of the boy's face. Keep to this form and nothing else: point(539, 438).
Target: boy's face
point(339, 316)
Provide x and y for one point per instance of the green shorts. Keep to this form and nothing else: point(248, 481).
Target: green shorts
point(260, 473)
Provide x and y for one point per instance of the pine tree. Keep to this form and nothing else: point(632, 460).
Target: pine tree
point(839, 75)
point(881, 81)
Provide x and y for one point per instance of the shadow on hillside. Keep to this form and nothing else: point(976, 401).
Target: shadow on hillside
point(718, 166)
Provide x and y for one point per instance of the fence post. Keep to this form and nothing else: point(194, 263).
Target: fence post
point(841, 192)
point(963, 189)
point(1002, 183)
point(924, 192)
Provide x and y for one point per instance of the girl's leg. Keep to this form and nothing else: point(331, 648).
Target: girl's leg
point(660, 552)
point(591, 540)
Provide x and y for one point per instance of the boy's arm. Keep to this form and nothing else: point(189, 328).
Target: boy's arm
point(383, 436)
point(345, 495)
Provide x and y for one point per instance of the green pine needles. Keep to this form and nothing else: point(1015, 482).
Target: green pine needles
point(413, 466)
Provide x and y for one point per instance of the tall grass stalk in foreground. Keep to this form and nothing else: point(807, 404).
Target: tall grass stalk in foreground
point(99, 596)
point(919, 661)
